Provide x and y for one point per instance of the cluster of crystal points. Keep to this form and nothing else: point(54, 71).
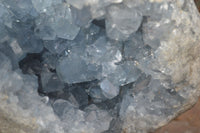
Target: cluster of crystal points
point(100, 66)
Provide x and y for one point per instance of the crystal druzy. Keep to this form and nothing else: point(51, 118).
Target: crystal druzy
point(98, 66)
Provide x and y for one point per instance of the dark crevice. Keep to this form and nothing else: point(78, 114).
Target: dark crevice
point(101, 23)
point(31, 64)
point(40, 91)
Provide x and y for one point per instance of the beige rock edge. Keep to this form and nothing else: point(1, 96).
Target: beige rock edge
point(12, 122)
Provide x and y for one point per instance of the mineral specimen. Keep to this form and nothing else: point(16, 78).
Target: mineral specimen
point(97, 66)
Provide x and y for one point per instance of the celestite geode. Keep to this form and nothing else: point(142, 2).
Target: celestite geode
point(97, 66)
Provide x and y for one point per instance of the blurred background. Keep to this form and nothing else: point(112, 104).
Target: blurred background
point(187, 122)
point(197, 3)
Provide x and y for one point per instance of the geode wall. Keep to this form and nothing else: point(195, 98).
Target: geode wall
point(104, 66)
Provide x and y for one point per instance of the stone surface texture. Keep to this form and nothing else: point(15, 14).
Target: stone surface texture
point(97, 66)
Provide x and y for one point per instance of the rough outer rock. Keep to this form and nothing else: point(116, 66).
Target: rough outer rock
point(174, 69)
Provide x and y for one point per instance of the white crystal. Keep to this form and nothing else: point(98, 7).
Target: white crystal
point(108, 89)
point(128, 23)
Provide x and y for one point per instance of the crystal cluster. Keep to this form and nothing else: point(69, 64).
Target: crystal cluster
point(98, 66)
